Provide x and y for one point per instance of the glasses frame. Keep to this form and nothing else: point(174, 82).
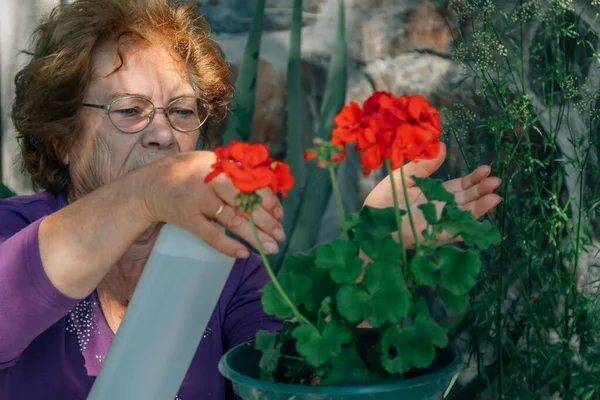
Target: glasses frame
point(108, 107)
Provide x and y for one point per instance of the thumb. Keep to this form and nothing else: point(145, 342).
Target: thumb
point(421, 169)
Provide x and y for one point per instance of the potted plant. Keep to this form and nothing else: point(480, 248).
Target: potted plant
point(356, 321)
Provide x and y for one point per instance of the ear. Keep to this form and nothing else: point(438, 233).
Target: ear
point(64, 158)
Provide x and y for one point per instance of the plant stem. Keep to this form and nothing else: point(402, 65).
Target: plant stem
point(293, 358)
point(338, 196)
point(274, 279)
point(398, 219)
point(410, 217)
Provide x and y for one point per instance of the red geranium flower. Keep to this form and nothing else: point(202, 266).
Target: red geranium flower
point(421, 113)
point(348, 125)
point(388, 128)
point(395, 107)
point(375, 141)
point(348, 122)
point(413, 143)
point(284, 180)
point(373, 103)
point(250, 168)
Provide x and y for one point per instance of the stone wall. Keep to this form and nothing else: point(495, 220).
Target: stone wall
point(403, 51)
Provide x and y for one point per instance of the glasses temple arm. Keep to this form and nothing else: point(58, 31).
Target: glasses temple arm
point(103, 107)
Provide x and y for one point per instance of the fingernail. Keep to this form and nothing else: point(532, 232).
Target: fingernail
point(242, 254)
point(271, 247)
point(279, 234)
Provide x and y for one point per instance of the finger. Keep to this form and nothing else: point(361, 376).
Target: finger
point(270, 203)
point(263, 215)
point(422, 168)
point(477, 191)
point(268, 223)
point(216, 238)
point(479, 174)
point(482, 205)
point(240, 226)
point(227, 192)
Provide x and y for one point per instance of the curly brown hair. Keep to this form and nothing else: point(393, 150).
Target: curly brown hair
point(51, 87)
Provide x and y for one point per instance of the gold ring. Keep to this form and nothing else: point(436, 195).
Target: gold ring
point(219, 211)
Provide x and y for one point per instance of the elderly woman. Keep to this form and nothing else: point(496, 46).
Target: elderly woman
point(108, 112)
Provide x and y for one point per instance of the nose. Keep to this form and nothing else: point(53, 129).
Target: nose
point(159, 134)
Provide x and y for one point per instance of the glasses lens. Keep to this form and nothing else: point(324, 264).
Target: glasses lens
point(187, 114)
point(131, 114)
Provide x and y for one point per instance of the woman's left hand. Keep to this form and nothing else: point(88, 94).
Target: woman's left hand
point(473, 192)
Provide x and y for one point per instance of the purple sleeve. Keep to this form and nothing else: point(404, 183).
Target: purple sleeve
point(29, 302)
point(244, 315)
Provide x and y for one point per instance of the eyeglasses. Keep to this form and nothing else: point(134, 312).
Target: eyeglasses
point(131, 114)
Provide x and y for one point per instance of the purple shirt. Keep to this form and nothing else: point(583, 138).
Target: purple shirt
point(52, 346)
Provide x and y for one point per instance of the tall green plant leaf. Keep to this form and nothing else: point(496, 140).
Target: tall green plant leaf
point(294, 130)
point(239, 121)
point(317, 190)
point(239, 124)
point(5, 192)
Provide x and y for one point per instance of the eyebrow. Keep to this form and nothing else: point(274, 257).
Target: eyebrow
point(123, 94)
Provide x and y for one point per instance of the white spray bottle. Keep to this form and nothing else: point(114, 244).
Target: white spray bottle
point(165, 320)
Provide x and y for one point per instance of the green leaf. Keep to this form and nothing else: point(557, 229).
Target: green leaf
point(433, 189)
point(372, 232)
point(412, 346)
point(322, 284)
point(346, 369)
point(459, 268)
point(429, 213)
point(317, 188)
point(452, 302)
point(268, 344)
point(294, 151)
point(341, 259)
point(316, 346)
point(351, 221)
point(419, 307)
point(326, 306)
point(378, 222)
point(426, 272)
point(295, 286)
point(482, 234)
point(239, 123)
point(5, 192)
point(380, 298)
point(385, 250)
point(354, 303)
point(299, 263)
point(461, 222)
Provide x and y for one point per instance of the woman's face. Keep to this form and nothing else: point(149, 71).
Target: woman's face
point(106, 153)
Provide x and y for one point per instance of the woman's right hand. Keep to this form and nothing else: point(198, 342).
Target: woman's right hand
point(174, 192)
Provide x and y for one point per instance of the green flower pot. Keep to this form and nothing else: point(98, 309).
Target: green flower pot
point(240, 365)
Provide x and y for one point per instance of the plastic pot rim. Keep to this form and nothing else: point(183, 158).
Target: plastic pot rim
point(277, 387)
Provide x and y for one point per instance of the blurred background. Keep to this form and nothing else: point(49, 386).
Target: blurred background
point(396, 45)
